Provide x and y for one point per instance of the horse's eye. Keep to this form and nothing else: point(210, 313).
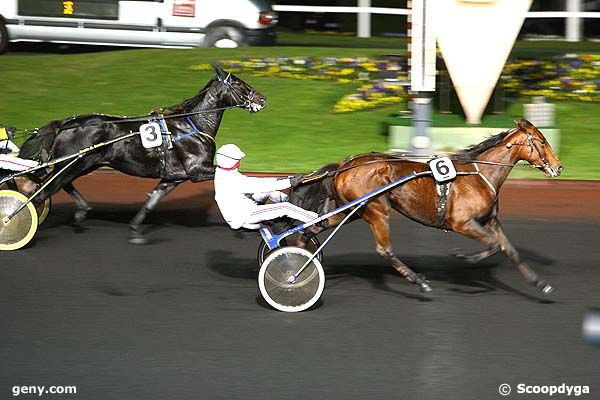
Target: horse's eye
point(543, 141)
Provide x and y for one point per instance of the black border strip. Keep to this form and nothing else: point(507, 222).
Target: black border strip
point(96, 25)
point(182, 29)
point(61, 24)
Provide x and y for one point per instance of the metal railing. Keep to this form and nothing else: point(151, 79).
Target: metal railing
point(572, 30)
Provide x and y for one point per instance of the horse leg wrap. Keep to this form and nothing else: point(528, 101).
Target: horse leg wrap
point(82, 205)
point(153, 200)
point(530, 276)
point(534, 279)
point(81, 214)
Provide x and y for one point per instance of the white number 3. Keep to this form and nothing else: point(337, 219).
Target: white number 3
point(151, 135)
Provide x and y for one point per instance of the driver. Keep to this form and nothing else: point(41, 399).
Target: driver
point(8, 151)
point(241, 198)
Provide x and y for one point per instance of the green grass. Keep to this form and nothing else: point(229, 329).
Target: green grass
point(522, 48)
point(336, 40)
point(296, 132)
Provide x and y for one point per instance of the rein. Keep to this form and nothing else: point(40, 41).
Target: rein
point(386, 160)
point(226, 82)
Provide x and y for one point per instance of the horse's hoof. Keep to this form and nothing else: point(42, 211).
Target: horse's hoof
point(547, 289)
point(138, 240)
point(423, 283)
point(425, 288)
point(458, 253)
point(80, 216)
point(455, 252)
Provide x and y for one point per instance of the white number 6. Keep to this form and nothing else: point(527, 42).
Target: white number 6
point(443, 169)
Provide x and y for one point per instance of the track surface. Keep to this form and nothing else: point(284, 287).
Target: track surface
point(183, 318)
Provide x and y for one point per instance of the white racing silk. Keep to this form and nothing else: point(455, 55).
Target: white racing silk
point(14, 163)
point(237, 195)
point(11, 161)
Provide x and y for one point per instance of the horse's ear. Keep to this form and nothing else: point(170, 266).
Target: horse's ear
point(522, 123)
point(220, 73)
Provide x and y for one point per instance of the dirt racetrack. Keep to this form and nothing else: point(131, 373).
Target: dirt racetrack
point(182, 318)
point(529, 199)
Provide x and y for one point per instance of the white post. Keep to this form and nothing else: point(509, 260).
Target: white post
point(573, 24)
point(364, 20)
point(422, 73)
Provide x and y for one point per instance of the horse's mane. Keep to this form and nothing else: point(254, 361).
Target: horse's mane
point(187, 104)
point(472, 152)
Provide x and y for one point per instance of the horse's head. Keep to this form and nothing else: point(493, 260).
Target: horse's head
point(534, 148)
point(237, 93)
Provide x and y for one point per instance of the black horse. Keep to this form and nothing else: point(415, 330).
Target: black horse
point(188, 130)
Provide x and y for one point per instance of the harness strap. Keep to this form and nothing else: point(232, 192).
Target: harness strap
point(161, 149)
point(314, 177)
point(486, 180)
point(193, 132)
point(443, 190)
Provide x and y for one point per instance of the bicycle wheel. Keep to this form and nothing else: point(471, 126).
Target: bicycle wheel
point(21, 228)
point(282, 289)
point(312, 245)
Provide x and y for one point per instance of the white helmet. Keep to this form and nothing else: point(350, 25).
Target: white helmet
point(229, 155)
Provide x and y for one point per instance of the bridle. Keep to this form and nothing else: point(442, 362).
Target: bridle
point(248, 98)
point(531, 143)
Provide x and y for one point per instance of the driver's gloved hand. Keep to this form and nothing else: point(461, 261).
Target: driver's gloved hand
point(296, 180)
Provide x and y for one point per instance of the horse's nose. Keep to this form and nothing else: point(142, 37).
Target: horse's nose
point(559, 170)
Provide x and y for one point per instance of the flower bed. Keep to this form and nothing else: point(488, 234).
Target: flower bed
point(385, 82)
point(376, 94)
point(568, 77)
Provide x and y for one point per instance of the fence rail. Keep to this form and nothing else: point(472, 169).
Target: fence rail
point(569, 15)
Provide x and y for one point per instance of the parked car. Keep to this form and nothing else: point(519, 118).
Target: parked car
point(144, 23)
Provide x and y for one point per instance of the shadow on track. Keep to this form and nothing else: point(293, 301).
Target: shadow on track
point(195, 216)
point(472, 280)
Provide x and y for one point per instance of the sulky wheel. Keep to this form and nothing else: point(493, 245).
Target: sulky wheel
point(20, 229)
point(43, 210)
point(280, 286)
point(312, 245)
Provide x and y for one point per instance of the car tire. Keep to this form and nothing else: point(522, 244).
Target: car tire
point(225, 37)
point(3, 37)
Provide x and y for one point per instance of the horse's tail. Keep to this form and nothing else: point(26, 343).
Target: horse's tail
point(39, 145)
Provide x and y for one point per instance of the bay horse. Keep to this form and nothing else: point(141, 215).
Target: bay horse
point(470, 202)
point(188, 129)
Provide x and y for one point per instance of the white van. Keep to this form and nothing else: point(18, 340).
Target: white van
point(144, 23)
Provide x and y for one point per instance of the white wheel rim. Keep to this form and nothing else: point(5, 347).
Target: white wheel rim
point(318, 271)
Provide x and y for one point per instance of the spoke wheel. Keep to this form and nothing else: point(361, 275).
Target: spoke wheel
point(21, 228)
point(280, 290)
